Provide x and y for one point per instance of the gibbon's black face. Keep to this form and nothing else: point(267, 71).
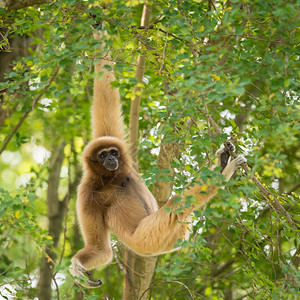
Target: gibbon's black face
point(109, 158)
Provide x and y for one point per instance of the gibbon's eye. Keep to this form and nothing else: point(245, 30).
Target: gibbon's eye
point(102, 155)
point(114, 152)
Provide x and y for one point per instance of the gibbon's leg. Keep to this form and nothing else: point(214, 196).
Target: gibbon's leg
point(97, 250)
point(159, 232)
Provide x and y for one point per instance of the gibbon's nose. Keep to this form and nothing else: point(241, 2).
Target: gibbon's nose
point(111, 163)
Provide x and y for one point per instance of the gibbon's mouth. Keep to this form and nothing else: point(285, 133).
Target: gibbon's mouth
point(111, 166)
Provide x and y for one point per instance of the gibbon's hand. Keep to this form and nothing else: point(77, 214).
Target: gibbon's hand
point(77, 270)
point(224, 160)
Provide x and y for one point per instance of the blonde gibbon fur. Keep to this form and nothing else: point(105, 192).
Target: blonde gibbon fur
point(114, 198)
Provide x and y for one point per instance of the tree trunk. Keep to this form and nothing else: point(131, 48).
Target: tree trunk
point(56, 211)
point(139, 274)
point(139, 269)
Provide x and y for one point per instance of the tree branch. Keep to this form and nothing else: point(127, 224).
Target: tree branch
point(26, 113)
point(135, 104)
point(293, 189)
point(270, 197)
point(16, 5)
point(168, 281)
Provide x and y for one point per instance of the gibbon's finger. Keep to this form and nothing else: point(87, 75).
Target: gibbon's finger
point(80, 272)
point(80, 279)
point(83, 270)
point(240, 160)
point(90, 284)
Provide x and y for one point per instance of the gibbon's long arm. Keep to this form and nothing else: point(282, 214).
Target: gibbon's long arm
point(158, 232)
point(97, 250)
point(107, 119)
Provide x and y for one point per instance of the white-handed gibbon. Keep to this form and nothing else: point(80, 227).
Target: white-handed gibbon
point(112, 196)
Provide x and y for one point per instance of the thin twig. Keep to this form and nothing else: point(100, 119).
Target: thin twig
point(29, 236)
point(164, 52)
point(167, 281)
point(56, 287)
point(297, 185)
point(121, 266)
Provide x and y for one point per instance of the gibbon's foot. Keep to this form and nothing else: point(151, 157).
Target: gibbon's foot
point(79, 271)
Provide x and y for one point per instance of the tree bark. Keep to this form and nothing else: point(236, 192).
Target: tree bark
point(56, 211)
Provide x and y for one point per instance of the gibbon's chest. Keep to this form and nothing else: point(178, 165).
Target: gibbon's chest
point(133, 203)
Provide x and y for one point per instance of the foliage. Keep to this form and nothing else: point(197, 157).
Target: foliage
point(18, 218)
point(235, 62)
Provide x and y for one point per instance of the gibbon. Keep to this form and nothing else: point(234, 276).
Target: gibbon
point(112, 196)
